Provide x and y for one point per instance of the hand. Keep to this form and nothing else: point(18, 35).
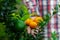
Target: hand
point(32, 31)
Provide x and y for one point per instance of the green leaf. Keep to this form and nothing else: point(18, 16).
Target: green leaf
point(55, 10)
point(23, 10)
point(59, 5)
point(46, 19)
point(18, 1)
point(54, 35)
point(25, 17)
point(22, 38)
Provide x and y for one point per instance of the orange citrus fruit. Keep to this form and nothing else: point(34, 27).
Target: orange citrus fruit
point(28, 21)
point(38, 19)
point(33, 24)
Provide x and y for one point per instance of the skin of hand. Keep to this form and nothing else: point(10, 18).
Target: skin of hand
point(32, 31)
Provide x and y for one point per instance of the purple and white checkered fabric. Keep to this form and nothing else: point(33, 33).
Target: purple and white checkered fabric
point(42, 7)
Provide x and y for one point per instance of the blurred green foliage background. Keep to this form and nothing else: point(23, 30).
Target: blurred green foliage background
point(3, 34)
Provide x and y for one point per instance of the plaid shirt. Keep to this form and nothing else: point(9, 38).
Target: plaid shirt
point(42, 7)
